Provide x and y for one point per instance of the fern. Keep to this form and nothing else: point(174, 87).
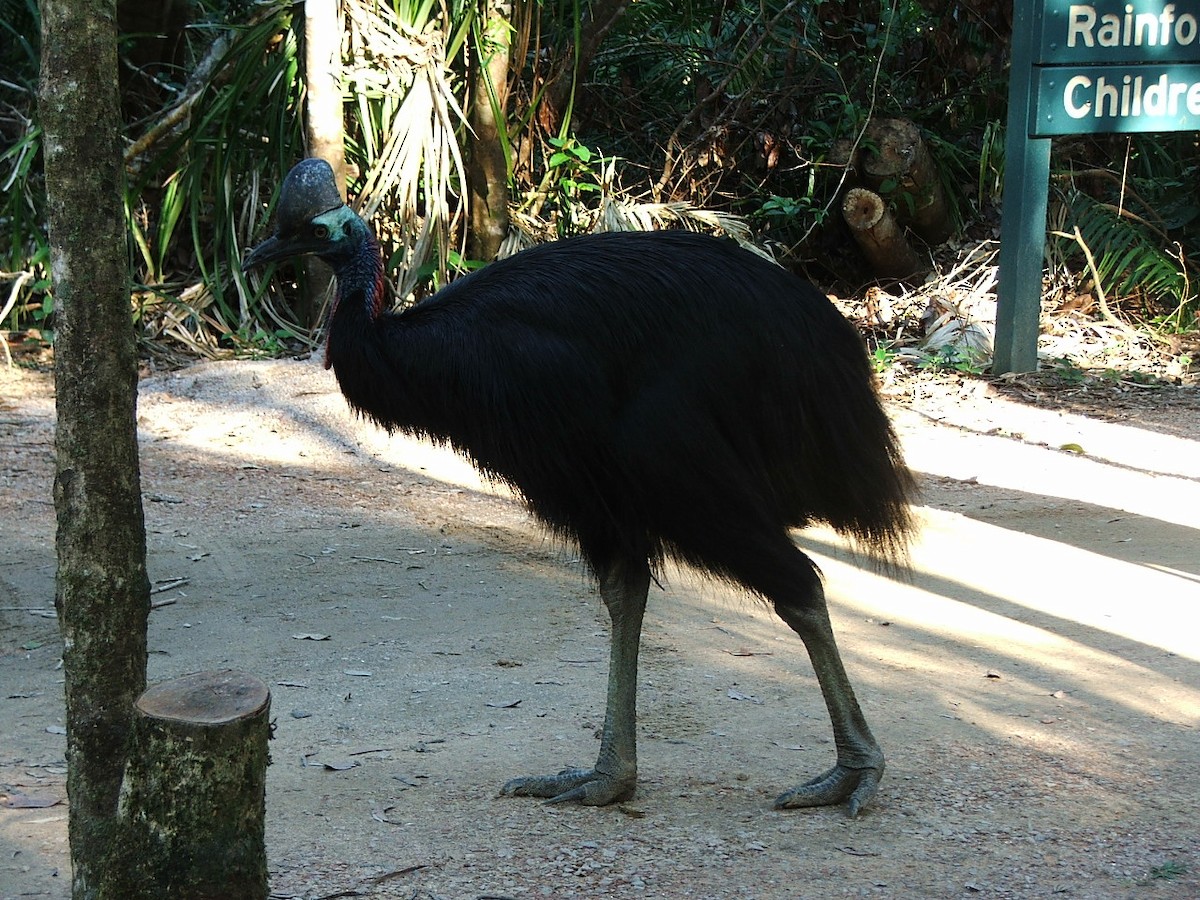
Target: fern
point(1129, 256)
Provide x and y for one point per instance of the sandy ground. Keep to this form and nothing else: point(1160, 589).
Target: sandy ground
point(1036, 684)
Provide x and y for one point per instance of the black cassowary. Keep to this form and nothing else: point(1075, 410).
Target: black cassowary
point(648, 395)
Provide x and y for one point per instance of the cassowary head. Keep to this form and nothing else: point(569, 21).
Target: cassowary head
point(311, 218)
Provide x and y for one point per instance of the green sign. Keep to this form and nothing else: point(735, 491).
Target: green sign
point(1080, 68)
point(1072, 100)
point(1115, 67)
point(1108, 33)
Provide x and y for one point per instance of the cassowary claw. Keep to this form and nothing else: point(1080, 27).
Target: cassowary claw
point(586, 786)
point(854, 786)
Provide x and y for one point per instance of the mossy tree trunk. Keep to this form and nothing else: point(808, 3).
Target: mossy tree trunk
point(488, 163)
point(102, 591)
point(192, 807)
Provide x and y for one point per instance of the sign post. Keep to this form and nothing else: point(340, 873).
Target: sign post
point(1109, 66)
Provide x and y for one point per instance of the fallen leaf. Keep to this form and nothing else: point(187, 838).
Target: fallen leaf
point(738, 695)
point(310, 637)
point(24, 801)
point(396, 873)
point(340, 765)
point(357, 673)
point(509, 705)
point(854, 852)
point(995, 675)
point(55, 729)
point(784, 746)
point(168, 584)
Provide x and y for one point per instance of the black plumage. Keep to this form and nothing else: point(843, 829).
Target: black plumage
point(648, 395)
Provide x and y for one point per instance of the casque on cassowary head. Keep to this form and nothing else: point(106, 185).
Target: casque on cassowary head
point(650, 395)
point(308, 190)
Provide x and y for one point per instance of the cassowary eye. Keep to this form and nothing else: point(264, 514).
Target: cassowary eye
point(320, 232)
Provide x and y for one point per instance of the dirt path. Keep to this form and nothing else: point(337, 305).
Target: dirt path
point(1036, 685)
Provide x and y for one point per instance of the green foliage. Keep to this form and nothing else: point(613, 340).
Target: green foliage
point(711, 114)
point(883, 357)
point(1168, 871)
point(24, 247)
point(192, 209)
point(1129, 256)
point(190, 196)
point(1068, 371)
point(761, 106)
point(572, 169)
point(949, 358)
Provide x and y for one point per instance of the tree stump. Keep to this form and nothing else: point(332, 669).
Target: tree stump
point(190, 824)
point(897, 165)
point(878, 236)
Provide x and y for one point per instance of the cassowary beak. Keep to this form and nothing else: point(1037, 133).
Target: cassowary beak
point(270, 250)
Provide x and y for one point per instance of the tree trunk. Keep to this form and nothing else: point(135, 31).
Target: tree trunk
point(192, 809)
point(324, 127)
point(488, 164)
point(102, 592)
point(898, 166)
point(878, 236)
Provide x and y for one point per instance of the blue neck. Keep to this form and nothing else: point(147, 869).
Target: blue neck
point(358, 265)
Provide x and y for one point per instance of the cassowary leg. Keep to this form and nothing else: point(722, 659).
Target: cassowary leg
point(623, 588)
point(859, 768)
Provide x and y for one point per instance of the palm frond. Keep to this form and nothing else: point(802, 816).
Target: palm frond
point(408, 150)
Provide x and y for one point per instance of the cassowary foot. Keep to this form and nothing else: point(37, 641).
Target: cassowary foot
point(840, 784)
point(586, 786)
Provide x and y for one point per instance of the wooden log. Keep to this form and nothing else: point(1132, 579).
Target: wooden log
point(898, 166)
point(190, 824)
point(877, 234)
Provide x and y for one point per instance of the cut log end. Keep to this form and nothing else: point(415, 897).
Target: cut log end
point(863, 209)
point(206, 698)
point(190, 822)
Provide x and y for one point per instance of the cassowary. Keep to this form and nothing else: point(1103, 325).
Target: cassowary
point(649, 395)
